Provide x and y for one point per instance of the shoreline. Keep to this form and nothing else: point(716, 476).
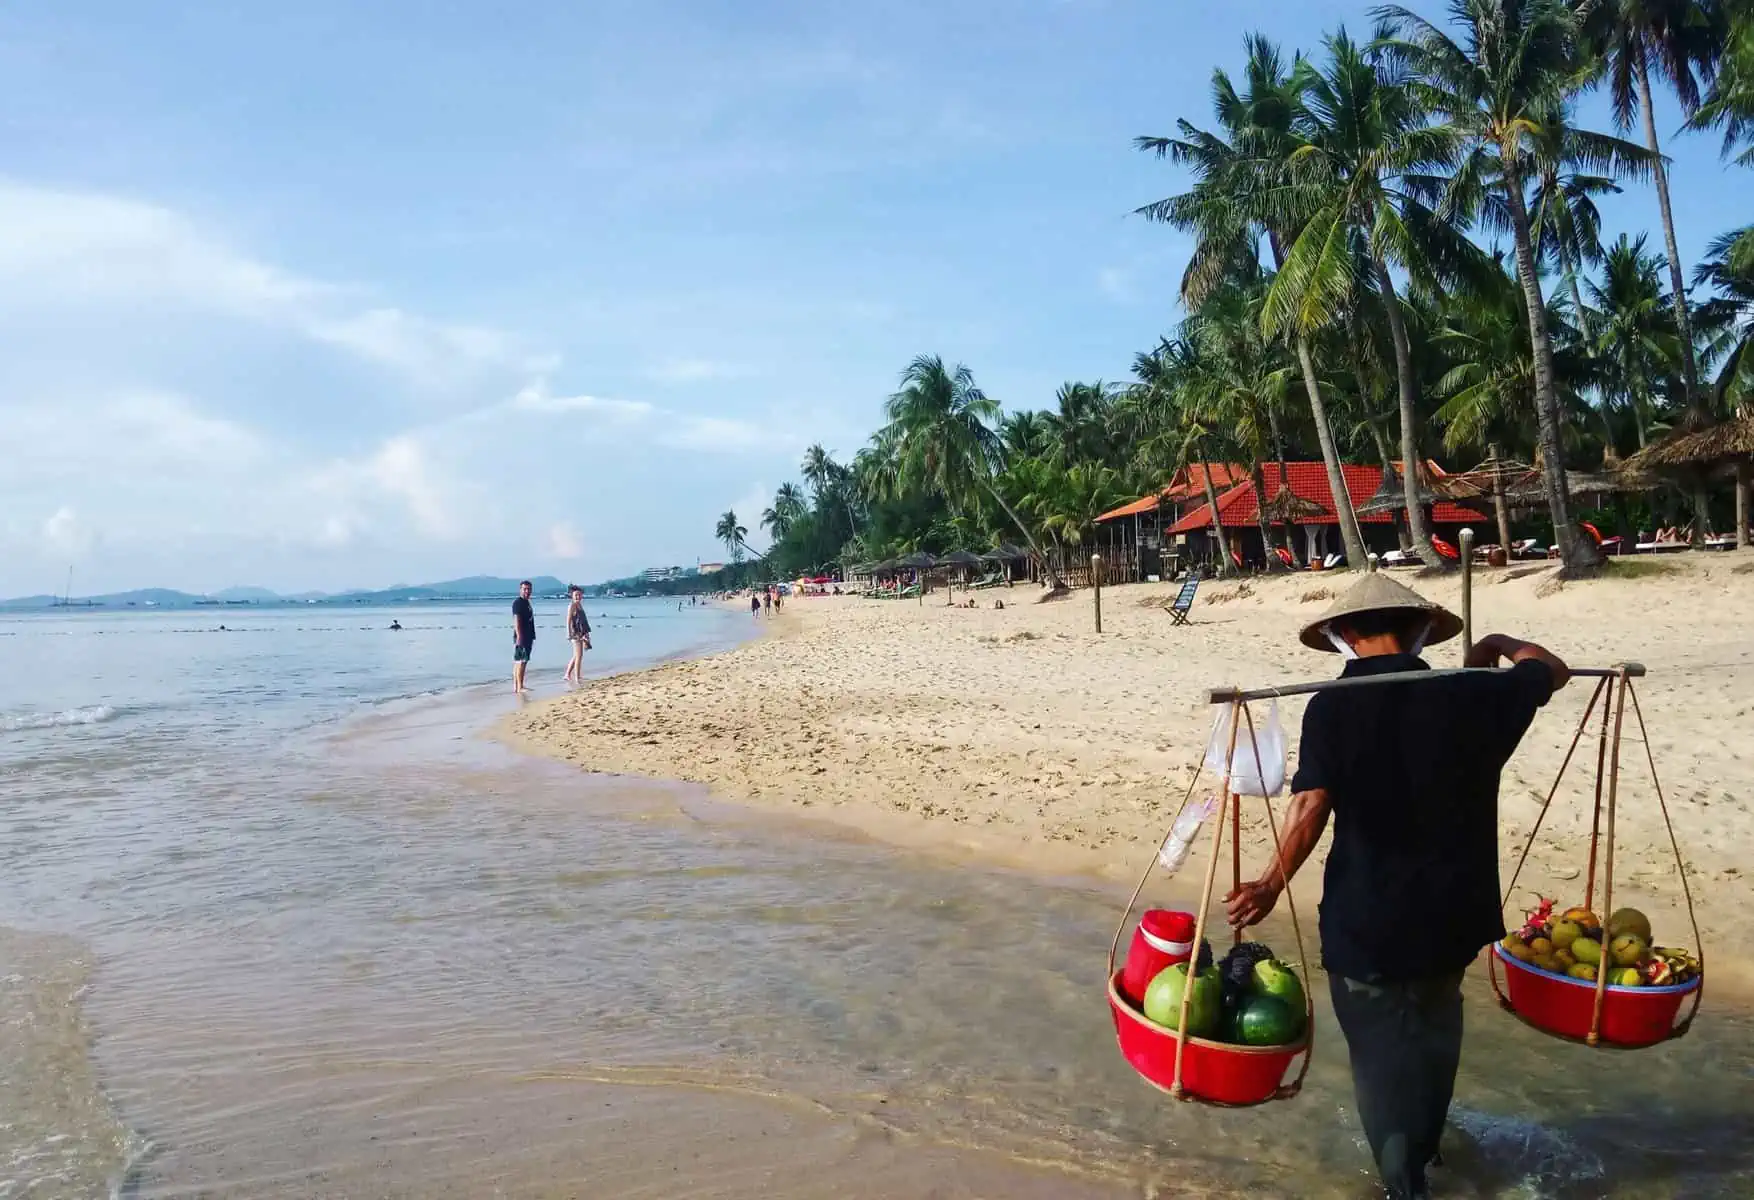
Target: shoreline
point(1020, 738)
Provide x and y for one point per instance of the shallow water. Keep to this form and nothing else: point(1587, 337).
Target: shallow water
point(375, 955)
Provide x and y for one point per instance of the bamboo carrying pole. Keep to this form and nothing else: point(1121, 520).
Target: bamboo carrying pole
point(1236, 695)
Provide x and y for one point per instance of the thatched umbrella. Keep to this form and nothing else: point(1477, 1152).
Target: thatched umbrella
point(1391, 495)
point(1694, 450)
point(1288, 508)
point(963, 559)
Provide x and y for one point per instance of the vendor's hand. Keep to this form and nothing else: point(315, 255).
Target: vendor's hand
point(1250, 903)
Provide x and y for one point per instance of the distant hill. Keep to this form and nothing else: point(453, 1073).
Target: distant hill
point(492, 585)
point(472, 587)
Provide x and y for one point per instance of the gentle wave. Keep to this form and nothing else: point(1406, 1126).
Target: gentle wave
point(91, 714)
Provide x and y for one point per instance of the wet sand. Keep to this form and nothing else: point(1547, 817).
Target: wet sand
point(1022, 736)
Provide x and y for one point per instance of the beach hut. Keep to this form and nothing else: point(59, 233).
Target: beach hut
point(1697, 449)
point(1308, 481)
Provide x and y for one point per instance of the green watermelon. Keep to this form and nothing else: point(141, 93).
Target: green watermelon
point(1163, 1000)
point(1267, 1021)
point(1274, 978)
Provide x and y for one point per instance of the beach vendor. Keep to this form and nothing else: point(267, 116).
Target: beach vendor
point(1409, 773)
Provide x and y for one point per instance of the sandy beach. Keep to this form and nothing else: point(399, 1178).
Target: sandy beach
point(1022, 737)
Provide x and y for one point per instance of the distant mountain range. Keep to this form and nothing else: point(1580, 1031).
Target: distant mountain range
point(473, 587)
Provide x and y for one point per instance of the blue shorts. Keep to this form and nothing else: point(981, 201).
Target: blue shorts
point(521, 651)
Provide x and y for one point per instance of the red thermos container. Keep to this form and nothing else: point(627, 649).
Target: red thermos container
point(1162, 939)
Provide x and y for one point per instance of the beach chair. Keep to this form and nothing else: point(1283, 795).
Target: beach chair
point(1184, 601)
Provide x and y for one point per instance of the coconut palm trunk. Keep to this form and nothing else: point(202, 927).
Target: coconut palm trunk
point(1660, 175)
point(1500, 508)
point(1351, 536)
point(1258, 478)
point(1547, 412)
point(1217, 522)
point(1054, 580)
point(1284, 471)
point(1408, 390)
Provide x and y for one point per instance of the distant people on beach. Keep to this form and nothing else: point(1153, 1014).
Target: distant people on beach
point(754, 604)
point(578, 631)
point(767, 601)
point(523, 635)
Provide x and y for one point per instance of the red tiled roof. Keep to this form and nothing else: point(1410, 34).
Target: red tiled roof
point(1186, 484)
point(1309, 480)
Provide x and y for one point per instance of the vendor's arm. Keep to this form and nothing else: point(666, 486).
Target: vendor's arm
point(1304, 823)
point(1490, 650)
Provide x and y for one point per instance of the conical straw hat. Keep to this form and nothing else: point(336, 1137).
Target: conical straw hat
point(1378, 593)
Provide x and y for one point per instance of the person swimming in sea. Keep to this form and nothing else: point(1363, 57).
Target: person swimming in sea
point(395, 626)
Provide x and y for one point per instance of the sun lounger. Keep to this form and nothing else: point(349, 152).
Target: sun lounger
point(1184, 601)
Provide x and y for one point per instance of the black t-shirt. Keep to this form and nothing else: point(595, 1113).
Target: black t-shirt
point(1411, 770)
point(525, 618)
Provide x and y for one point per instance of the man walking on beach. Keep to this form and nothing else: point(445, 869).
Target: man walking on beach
point(523, 634)
point(1409, 771)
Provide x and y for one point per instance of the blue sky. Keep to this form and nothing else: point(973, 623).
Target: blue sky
point(327, 295)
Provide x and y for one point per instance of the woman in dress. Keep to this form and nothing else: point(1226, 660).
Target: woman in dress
point(578, 629)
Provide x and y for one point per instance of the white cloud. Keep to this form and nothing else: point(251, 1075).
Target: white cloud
point(534, 397)
point(67, 534)
point(75, 248)
point(669, 427)
point(397, 482)
point(695, 370)
point(564, 541)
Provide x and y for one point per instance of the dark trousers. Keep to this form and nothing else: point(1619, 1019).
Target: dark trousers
point(1405, 1041)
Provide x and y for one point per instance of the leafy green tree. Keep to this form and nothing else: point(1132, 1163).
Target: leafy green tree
point(1364, 179)
point(1234, 203)
point(1495, 89)
point(1635, 343)
point(940, 425)
point(731, 534)
point(1680, 41)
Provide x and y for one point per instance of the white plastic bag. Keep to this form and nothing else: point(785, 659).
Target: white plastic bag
point(1174, 851)
point(1245, 778)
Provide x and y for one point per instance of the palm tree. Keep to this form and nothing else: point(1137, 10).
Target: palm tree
point(819, 470)
point(1489, 390)
point(1730, 314)
point(788, 508)
point(1682, 41)
point(1230, 208)
point(1635, 340)
point(1170, 428)
point(1497, 91)
point(1729, 105)
point(1077, 429)
point(1085, 491)
point(1025, 434)
point(940, 424)
point(1240, 381)
point(1363, 177)
point(732, 534)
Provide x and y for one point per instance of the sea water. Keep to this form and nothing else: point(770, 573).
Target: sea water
point(276, 920)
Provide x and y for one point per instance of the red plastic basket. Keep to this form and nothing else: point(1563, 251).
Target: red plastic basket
point(1216, 1072)
point(1556, 1004)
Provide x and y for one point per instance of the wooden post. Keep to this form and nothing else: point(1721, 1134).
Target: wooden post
point(1467, 593)
point(1096, 587)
